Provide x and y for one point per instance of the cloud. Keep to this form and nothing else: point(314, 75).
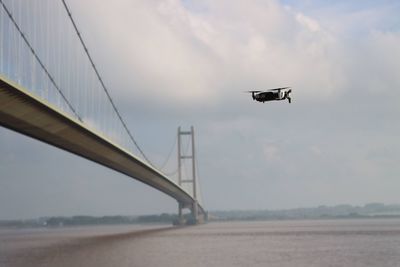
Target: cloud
point(193, 54)
point(170, 53)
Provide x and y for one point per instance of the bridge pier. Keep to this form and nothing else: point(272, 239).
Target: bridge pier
point(195, 216)
point(199, 216)
point(181, 220)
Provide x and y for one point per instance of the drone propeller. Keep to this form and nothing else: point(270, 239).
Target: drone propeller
point(279, 89)
point(287, 95)
point(256, 91)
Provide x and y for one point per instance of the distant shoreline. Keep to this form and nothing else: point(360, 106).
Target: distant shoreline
point(7, 225)
point(368, 211)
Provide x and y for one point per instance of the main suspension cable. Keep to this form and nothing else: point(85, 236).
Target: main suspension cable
point(104, 86)
point(162, 166)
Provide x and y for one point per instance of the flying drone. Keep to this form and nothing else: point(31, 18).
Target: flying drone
point(272, 94)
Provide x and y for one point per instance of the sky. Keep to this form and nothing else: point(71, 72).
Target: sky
point(171, 63)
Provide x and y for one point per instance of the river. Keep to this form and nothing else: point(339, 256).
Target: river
point(364, 242)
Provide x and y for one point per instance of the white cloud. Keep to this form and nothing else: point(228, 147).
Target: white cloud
point(168, 52)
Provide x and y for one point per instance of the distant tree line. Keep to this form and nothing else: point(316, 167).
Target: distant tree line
point(371, 210)
point(89, 220)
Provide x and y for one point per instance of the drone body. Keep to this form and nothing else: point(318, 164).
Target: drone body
point(272, 94)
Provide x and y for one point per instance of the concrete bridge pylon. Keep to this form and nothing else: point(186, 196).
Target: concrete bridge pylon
point(196, 215)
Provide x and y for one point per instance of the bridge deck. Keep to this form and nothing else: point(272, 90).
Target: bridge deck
point(24, 113)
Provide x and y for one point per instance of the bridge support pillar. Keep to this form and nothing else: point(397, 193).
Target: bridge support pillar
point(195, 212)
point(194, 207)
point(194, 217)
point(198, 216)
point(181, 220)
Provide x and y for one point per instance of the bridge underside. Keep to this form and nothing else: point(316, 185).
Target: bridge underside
point(30, 116)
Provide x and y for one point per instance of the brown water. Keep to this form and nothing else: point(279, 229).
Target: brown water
point(281, 243)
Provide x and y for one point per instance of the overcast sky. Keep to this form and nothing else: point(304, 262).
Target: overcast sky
point(180, 63)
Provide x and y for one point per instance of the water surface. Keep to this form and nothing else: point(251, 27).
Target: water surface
point(374, 242)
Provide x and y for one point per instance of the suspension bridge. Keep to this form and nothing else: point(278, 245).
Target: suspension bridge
point(52, 90)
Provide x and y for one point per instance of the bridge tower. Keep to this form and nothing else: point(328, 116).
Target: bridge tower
point(190, 156)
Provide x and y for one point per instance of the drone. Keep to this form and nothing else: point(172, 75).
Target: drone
point(272, 94)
